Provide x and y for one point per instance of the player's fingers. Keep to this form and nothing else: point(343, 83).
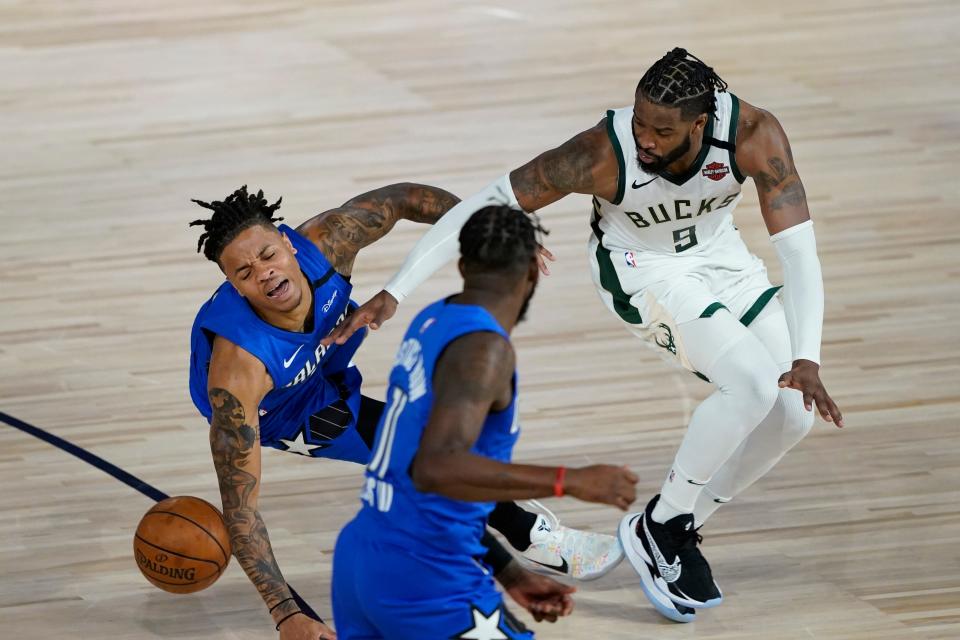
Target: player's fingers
point(542, 264)
point(567, 606)
point(807, 401)
point(337, 332)
point(785, 380)
point(631, 476)
point(834, 411)
point(545, 611)
point(354, 323)
point(822, 406)
point(546, 253)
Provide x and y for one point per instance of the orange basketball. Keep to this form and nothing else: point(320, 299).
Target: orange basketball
point(182, 544)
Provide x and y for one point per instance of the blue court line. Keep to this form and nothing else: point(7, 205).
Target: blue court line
point(111, 469)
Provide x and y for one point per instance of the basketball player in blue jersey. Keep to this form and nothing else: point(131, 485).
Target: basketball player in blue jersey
point(665, 174)
point(409, 567)
point(261, 377)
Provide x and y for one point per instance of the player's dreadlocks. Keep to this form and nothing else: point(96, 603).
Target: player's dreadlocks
point(238, 211)
point(500, 238)
point(680, 79)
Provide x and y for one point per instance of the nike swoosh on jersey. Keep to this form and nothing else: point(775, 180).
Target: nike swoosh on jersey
point(637, 186)
point(287, 363)
point(669, 572)
point(563, 567)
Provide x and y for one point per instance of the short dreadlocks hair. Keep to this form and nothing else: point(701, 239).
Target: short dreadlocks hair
point(237, 212)
point(500, 238)
point(680, 79)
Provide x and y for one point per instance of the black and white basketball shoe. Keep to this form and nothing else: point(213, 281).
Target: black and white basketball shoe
point(669, 562)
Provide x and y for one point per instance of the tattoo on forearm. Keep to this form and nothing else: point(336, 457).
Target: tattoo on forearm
point(232, 441)
point(428, 204)
point(341, 233)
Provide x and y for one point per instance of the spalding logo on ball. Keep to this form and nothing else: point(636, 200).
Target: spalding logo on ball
point(182, 544)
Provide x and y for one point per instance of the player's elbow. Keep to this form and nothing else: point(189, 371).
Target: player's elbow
point(429, 472)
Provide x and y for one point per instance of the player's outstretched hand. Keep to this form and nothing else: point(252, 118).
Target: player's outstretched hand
point(805, 377)
point(545, 598)
point(603, 483)
point(303, 627)
point(544, 254)
point(373, 313)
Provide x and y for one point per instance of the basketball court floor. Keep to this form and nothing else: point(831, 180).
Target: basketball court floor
point(115, 114)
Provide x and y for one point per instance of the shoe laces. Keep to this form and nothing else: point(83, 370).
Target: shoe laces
point(539, 507)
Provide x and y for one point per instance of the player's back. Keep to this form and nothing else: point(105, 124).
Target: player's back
point(392, 508)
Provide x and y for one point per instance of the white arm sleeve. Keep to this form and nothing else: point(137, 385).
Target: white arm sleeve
point(802, 289)
point(440, 244)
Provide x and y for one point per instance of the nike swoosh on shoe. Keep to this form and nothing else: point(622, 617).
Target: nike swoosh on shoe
point(669, 572)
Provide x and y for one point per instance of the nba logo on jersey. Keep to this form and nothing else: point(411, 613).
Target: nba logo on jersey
point(630, 258)
point(716, 171)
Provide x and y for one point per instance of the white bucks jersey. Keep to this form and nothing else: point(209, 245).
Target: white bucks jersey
point(664, 213)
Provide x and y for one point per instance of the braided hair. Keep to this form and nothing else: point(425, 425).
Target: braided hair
point(680, 79)
point(237, 212)
point(500, 238)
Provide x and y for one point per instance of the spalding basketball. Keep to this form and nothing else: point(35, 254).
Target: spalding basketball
point(182, 544)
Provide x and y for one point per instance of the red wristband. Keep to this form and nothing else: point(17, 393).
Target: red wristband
point(558, 483)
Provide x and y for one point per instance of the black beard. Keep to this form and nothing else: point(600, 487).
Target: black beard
point(662, 162)
point(526, 305)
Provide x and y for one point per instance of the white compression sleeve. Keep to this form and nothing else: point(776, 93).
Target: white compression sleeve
point(440, 245)
point(802, 289)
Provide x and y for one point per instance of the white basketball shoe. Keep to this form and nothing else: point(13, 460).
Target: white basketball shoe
point(581, 555)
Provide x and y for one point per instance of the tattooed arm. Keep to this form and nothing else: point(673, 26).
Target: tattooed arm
point(237, 384)
point(340, 233)
point(584, 164)
point(763, 153)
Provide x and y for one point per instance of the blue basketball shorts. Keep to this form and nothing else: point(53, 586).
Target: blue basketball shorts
point(385, 591)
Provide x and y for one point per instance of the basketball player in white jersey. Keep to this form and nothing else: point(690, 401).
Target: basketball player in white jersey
point(668, 261)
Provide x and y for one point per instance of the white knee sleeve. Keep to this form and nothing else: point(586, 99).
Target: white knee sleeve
point(746, 379)
point(797, 421)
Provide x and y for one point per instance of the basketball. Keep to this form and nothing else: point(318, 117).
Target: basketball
point(182, 544)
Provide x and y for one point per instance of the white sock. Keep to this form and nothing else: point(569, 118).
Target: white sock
point(684, 490)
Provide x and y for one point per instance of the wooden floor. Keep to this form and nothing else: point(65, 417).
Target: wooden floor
point(114, 114)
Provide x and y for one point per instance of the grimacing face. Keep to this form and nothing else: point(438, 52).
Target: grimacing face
point(261, 265)
point(661, 134)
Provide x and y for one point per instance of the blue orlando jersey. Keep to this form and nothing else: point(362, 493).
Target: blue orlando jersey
point(307, 378)
point(392, 507)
